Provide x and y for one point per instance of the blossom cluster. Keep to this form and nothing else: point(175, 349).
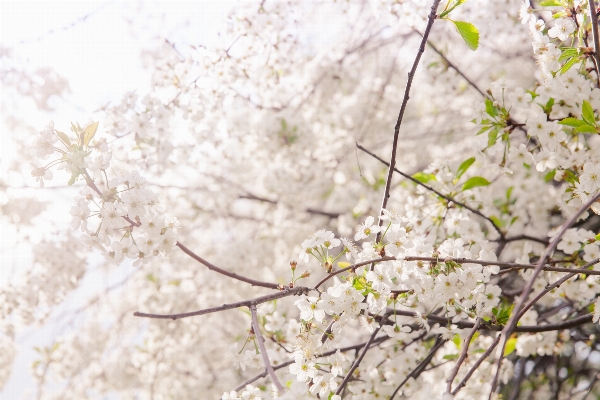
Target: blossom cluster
point(129, 222)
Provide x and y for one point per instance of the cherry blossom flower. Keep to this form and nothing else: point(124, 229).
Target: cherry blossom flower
point(367, 229)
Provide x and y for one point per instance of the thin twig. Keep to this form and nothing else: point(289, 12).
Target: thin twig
point(419, 368)
point(555, 285)
point(246, 303)
point(447, 198)
point(388, 183)
point(453, 66)
point(221, 271)
point(594, 17)
point(328, 353)
point(581, 320)
point(514, 318)
point(463, 355)
point(476, 365)
point(460, 260)
point(358, 361)
point(263, 350)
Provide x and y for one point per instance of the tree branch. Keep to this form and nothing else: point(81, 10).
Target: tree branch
point(476, 365)
point(358, 360)
point(514, 318)
point(221, 271)
point(594, 17)
point(246, 303)
point(419, 368)
point(263, 350)
point(447, 198)
point(554, 285)
point(463, 355)
point(431, 18)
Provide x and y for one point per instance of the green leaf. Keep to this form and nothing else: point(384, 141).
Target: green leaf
point(568, 65)
point(464, 167)
point(64, 138)
point(450, 357)
point(550, 176)
point(485, 128)
point(511, 344)
point(451, 8)
point(469, 33)
point(73, 179)
point(490, 109)
point(548, 107)
point(474, 182)
point(574, 122)
point(568, 52)
point(492, 137)
point(587, 112)
point(456, 341)
point(586, 129)
point(550, 3)
point(423, 177)
point(343, 264)
point(89, 132)
point(497, 221)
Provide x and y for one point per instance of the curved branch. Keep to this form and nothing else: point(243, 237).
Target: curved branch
point(358, 360)
point(388, 183)
point(246, 303)
point(221, 271)
point(514, 318)
point(447, 198)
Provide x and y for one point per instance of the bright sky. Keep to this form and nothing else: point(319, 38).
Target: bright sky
point(96, 45)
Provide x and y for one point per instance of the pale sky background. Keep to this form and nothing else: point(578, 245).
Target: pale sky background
point(95, 45)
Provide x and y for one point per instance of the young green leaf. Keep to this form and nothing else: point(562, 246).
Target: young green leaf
point(568, 65)
point(64, 138)
point(490, 109)
point(474, 182)
point(89, 132)
point(574, 122)
point(451, 6)
point(550, 3)
point(585, 129)
point(511, 345)
point(469, 33)
point(423, 177)
point(464, 167)
point(587, 112)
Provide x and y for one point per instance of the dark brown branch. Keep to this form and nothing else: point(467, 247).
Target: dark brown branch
point(447, 198)
point(358, 360)
point(388, 184)
point(308, 210)
point(328, 353)
point(507, 265)
point(514, 318)
point(246, 303)
point(263, 350)
point(555, 285)
point(500, 264)
point(221, 271)
point(584, 319)
point(463, 355)
point(476, 365)
point(454, 67)
point(594, 17)
point(526, 237)
point(419, 368)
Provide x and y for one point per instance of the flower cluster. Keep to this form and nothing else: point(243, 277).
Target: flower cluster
point(129, 222)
